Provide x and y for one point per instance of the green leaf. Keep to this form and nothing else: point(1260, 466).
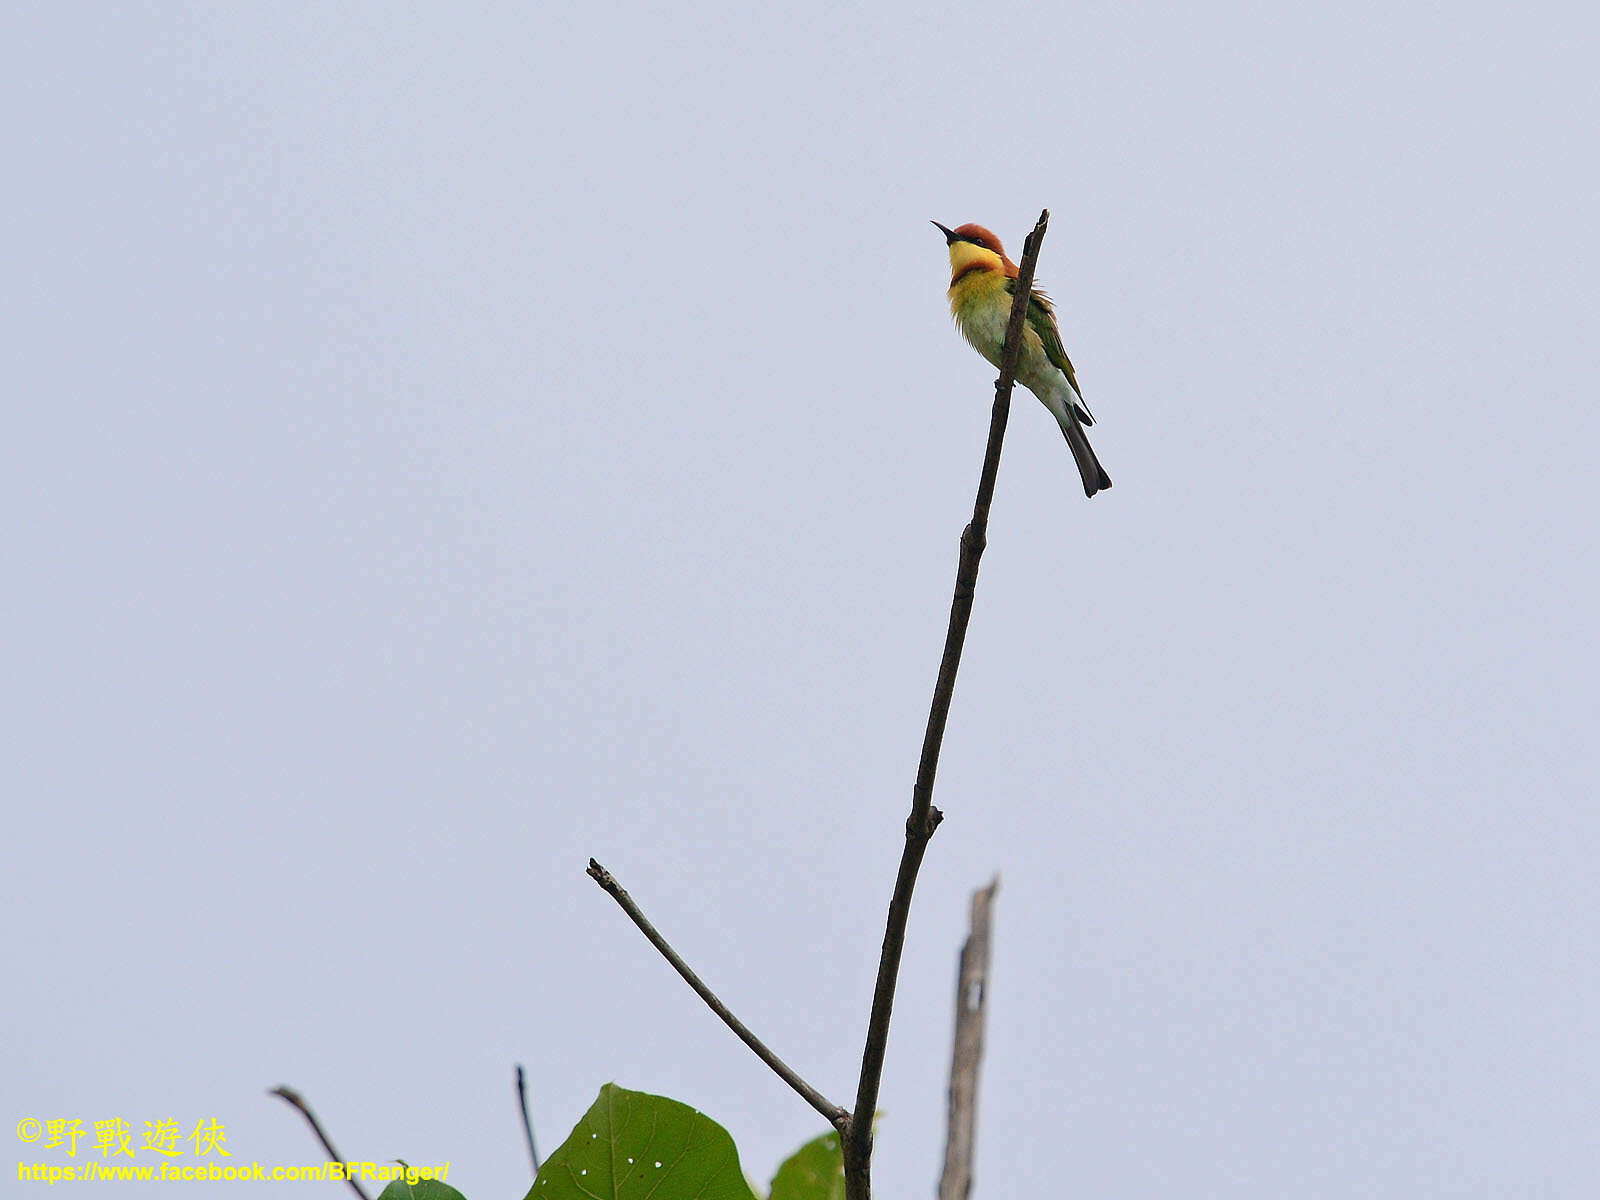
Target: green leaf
point(630, 1146)
point(813, 1172)
point(423, 1189)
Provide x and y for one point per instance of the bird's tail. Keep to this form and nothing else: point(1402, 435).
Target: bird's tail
point(1094, 475)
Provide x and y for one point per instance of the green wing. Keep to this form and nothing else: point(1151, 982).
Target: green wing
point(1042, 317)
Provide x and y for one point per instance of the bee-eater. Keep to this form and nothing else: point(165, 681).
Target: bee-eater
point(982, 283)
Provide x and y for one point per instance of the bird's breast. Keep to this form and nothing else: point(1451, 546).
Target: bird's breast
point(981, 306)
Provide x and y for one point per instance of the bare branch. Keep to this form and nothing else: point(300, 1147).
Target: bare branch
point(972, 990)
point(831, 1112)
point(527, 1124)
point(856, 1139)
point(288, 1094)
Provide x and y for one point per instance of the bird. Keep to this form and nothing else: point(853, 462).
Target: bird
point(982, 283)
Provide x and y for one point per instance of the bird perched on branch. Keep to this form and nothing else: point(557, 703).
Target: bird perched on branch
point(982, 283)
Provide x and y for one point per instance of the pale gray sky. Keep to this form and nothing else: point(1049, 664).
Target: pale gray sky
point(445, 442)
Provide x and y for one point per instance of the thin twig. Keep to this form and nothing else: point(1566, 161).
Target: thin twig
point(972, 990)
point(831, 1112)
point(293, 1097)
point(856, 1140)
point(527, 1124)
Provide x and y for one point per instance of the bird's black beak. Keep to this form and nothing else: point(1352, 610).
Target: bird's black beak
point(949, 234)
